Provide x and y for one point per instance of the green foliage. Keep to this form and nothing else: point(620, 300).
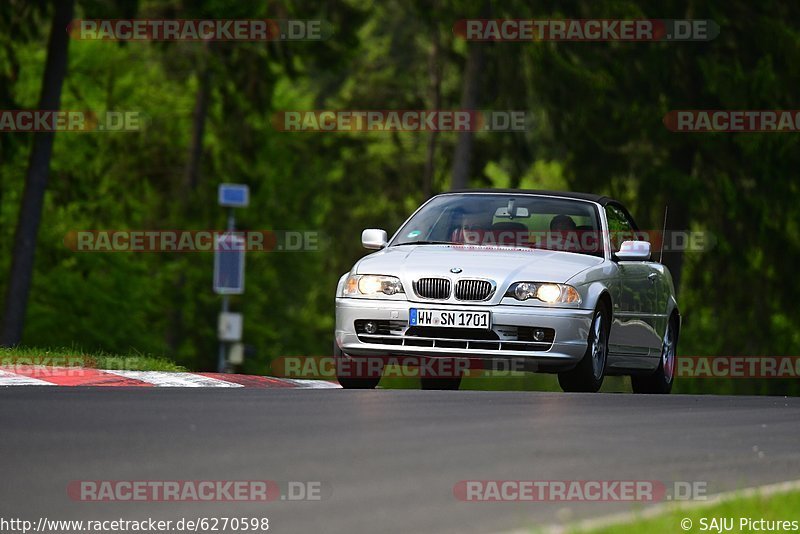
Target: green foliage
point(597, 113)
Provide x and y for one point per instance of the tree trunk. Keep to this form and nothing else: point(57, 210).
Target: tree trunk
point(30, 214)
point(469, 101)
point(199, 123)
point(435, 76)
point(175, 331)
point(678, 215)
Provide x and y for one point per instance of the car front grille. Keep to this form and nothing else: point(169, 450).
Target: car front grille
point(474, 289)
point(433, 288)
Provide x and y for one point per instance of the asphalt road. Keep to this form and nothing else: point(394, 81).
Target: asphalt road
point(387, 460)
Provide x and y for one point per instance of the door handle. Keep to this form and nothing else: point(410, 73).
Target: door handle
point(652, 277)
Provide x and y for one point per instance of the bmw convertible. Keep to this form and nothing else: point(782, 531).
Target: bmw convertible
point(545, 281)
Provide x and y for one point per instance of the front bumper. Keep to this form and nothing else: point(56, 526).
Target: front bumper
point(566, 349)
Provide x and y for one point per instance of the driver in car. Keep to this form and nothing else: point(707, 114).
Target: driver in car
point(469, 228)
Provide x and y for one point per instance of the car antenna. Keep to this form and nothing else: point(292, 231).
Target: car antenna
point(663, 234)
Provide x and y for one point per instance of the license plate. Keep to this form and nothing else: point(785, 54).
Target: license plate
point(450, 318)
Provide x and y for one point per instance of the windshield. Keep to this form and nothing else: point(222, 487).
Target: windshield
point(505, 220)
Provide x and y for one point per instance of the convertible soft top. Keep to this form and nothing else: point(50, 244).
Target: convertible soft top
point(600, 199)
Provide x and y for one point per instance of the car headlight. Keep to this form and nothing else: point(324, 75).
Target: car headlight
point(546, 292)
point(372, 285)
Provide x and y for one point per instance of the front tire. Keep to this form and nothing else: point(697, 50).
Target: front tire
point(660, 382)
point(355, 374)
point(588, 375)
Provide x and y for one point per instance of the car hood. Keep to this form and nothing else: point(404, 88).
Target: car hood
point(503, 265)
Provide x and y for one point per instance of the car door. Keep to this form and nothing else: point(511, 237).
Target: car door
point(664, 290)
point(634, 328)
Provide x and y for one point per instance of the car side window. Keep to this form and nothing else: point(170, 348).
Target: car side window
point(620, 227)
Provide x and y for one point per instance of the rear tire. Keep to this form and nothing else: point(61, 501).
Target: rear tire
point(588, 375)
point(660, 382)
point(344, 371)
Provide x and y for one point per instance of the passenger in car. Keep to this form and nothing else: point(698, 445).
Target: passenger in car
point(563, 234)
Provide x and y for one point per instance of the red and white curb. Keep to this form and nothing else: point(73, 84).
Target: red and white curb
point(38, 375)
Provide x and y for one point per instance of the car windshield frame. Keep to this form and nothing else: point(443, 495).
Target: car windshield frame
point(595, 209)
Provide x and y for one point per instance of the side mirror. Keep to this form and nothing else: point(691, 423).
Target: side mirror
point(374, 238)
point(634, 251)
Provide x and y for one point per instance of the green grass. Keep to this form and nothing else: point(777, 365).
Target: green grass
point(775, 507)
point(72, 357)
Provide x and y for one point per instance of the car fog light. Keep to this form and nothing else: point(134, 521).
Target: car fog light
point(538, 335)
point(370, 327)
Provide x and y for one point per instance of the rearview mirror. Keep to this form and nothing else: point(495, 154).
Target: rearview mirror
point(519, 213)
point(634, 251)
point(374, 238)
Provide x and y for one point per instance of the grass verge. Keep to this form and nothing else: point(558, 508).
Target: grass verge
point(65, 357)
point(740, 514)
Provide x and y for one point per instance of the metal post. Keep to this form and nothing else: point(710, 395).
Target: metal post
point(231, 220)
point(227, 282)
point(222, 345)
point(222, 359)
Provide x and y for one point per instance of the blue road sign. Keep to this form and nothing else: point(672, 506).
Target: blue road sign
point(233, 195)
point(229, 264)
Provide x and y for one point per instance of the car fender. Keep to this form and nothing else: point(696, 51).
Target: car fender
point(592, 283)
point(672, 307)
point(594, 291)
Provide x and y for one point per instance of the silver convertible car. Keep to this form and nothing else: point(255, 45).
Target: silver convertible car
point(543, 281)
